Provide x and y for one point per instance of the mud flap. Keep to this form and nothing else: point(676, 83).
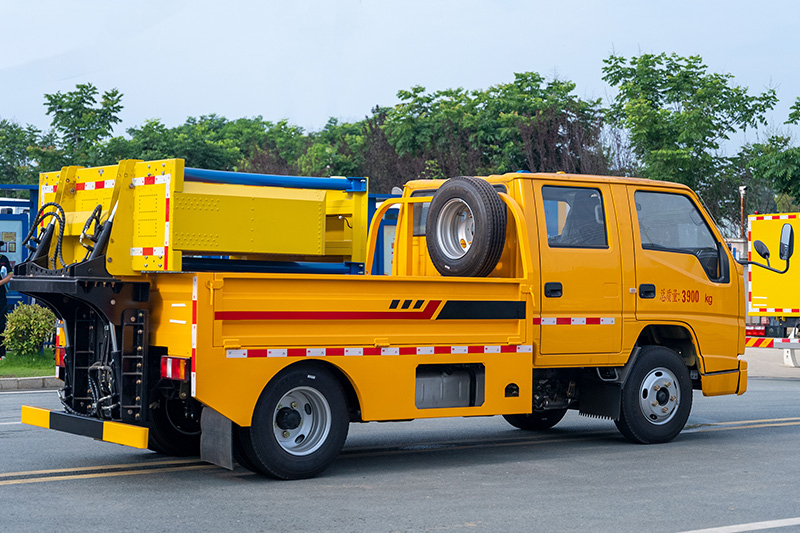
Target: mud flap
point(216, 439)
point(601, 399)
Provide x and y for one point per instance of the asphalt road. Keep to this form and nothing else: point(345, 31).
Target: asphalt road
point(736, 463)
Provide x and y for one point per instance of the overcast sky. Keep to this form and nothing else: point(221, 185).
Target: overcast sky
point(307, 60)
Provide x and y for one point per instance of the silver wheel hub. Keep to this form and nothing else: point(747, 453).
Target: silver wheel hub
point(301, 421)
point(659, 396)
point(455, 228)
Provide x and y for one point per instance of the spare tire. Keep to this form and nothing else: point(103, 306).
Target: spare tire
point(466, 228)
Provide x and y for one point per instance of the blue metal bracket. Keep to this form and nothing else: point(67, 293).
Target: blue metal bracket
point(275, 180)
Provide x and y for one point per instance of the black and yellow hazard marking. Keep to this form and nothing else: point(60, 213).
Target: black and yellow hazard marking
point(104, 430)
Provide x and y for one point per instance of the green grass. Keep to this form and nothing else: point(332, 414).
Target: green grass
point(14, 366)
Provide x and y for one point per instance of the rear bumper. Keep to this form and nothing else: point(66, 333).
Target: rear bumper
point(104, 430)
point(729, 382)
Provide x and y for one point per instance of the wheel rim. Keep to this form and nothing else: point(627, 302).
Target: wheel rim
point(659, 396)
point(455, 228)
point(302, 421)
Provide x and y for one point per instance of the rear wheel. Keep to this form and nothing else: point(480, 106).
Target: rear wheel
point(174, 428)
point(656, 398)
point(299, 425)
point(537, 420)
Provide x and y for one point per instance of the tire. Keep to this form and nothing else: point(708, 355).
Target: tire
point(299, 425)
point(656, 397)
point(536, 421)
point(172, 432)
point(466, 228)
point(242, 448)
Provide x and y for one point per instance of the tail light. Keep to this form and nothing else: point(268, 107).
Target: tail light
point(755, 331)
point(176, 368)
point(60, 343)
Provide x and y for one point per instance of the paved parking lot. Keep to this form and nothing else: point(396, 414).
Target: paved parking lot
point(736, 463)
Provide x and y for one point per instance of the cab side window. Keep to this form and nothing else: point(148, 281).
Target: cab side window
point(575, 217)
point(672, 223)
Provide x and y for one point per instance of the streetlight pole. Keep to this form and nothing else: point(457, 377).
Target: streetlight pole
point(742, 190)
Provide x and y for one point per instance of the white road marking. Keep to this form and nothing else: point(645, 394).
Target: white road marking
point(753, 526)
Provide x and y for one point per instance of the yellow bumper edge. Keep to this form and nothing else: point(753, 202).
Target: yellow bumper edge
point(105, 430)
point(728, 382)
point(742, 378)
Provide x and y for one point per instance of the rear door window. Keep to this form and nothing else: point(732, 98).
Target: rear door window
point(575, 217)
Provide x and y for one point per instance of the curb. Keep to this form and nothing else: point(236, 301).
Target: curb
point(35, 383)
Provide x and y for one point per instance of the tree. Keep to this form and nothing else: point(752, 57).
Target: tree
point(524, 125)
point(80, 124)
point(279, 152)
point(16, 165)
point(677, 115)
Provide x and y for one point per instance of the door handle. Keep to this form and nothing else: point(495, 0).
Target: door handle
point(647, 291)
point(553, 289)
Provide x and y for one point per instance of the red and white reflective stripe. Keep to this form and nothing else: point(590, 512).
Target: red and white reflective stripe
point(194, 335)
point(48, 189)
point(148, 251)
point(574, 321)
point(784, 216)
point(371, 350)
point(93, 185)
point(775, 310)
point(152, 180)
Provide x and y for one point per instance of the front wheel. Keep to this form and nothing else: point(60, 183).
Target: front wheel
point(656, 397)
point(299, 425)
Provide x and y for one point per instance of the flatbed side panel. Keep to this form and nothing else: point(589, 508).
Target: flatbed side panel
point(375, 331)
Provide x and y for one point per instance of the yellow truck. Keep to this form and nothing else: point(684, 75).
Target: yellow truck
point(775, 309)
point(237, 316)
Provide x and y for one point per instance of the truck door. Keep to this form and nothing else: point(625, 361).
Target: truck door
point(581, 304)
point(683, 271)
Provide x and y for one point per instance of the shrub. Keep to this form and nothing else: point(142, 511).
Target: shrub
point(27, 327)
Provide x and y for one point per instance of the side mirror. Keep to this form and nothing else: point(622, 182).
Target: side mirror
point(787, 242)
point(762, 250)
point(785, 252)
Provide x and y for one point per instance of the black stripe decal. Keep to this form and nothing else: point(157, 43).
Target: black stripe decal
point(481, 310)
point(77, 425)
point(394, 304)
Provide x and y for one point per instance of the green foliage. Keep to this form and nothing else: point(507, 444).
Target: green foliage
point(27, 327)
point(794, 115)
point(677, 115)
point(16, 165)
point(524, 125)
point(668, 121)
point(80, 124)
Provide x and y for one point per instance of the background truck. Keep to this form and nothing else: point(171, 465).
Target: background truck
point(773, 307)
point(235, 314)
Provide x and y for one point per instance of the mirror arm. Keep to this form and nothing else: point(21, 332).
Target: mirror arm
point(744, 262)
